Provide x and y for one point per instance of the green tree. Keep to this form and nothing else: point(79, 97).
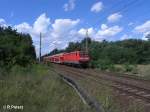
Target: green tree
point(15, 48)
point(148, 36)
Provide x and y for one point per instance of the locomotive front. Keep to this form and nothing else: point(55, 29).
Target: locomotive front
point(84, 57)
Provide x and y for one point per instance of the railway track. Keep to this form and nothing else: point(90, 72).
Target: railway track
point(138, 89)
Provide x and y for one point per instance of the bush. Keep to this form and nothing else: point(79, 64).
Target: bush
point(128, 68)
point(104, 64)
point(92, 64)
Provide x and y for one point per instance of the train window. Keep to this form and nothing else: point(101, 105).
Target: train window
point(83, 54)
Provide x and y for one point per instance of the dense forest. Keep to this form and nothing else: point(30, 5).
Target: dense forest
point(130, 51)
point(15, 48)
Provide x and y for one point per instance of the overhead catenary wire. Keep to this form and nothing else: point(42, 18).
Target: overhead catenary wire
point(125, 8)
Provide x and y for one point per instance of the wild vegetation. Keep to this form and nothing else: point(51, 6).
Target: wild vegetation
point(15, 48)
point(34, 86)
point(38, 89)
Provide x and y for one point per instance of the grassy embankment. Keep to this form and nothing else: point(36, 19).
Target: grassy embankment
point(38, 89)
point(141, 71)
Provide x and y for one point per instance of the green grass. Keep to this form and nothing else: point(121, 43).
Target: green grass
point(38, 89)
point(136, 71)
point(144, 70)
point(141, 71)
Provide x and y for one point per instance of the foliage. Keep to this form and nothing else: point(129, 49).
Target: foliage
point(148, 36)
point(128, 68)
point(15, 48)
point(105, 54)
point(102, 64)
point(38, 89)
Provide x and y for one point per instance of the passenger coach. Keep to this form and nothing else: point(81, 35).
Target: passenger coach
point(76, 58)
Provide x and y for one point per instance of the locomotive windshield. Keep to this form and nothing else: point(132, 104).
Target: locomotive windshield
point(83, 54)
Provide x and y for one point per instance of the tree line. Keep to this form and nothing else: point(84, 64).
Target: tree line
point(15, 48)
point(129, 51)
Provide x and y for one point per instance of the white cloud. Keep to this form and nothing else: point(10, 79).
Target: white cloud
point(104, 32)
point(104, 26)
point(131, 24)
point(82, 32)
point(23, 27)
point(145, 34)
point(125, 36)
point(3, 22)
point(109, 31)
point(55, 35)
point(114, 17)
point(97, 7)
point(62, 31)
point(69, 6)
point(41, 24)
point(143, 28)
point(63, 25)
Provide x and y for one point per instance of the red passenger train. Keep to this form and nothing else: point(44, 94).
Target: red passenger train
point(76, 58)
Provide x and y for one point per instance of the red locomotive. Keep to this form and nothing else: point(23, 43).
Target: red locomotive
point(72, 58)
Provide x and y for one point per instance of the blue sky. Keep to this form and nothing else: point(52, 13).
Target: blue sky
point(62, 21)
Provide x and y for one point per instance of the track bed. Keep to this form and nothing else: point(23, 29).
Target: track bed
point(136, 89)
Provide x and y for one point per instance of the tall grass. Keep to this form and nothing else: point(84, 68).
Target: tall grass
point(38, 89)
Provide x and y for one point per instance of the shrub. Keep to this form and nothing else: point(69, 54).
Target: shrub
point(104, 64)
point(128, 68)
